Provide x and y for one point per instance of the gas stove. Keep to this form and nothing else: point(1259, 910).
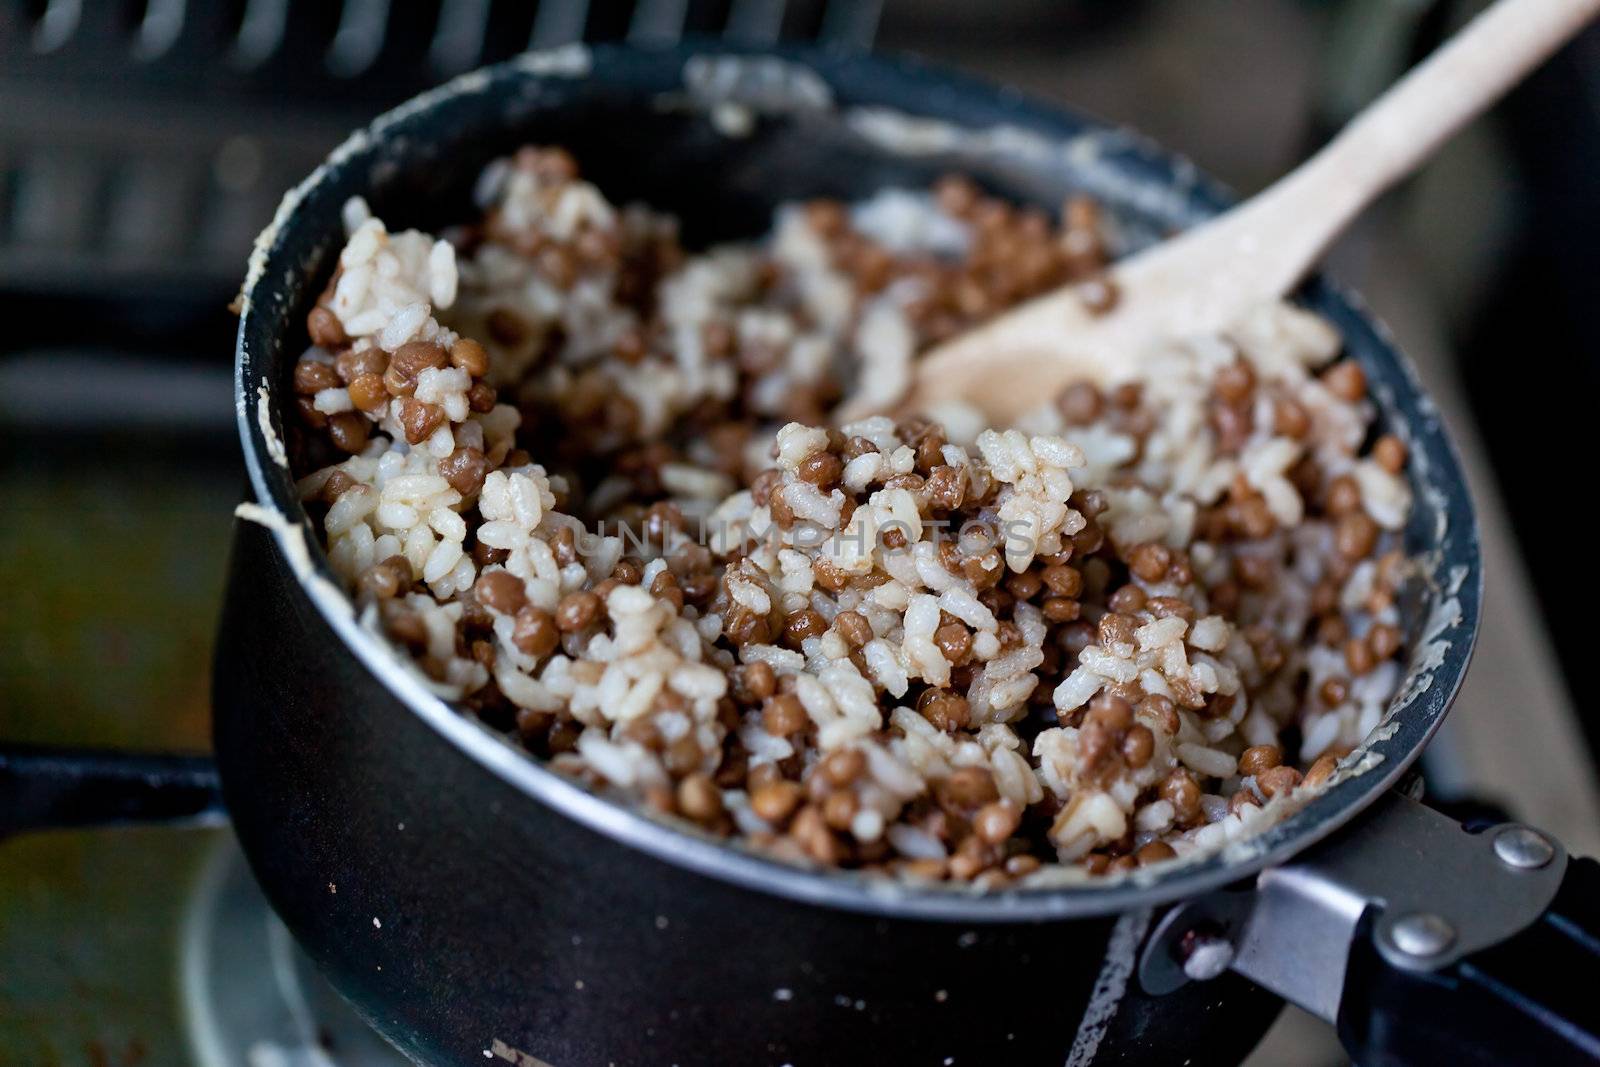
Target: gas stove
point(118, 472)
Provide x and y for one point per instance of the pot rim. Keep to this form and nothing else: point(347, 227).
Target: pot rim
point(898, 80)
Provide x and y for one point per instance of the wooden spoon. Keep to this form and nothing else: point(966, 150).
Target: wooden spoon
point(1206, 279)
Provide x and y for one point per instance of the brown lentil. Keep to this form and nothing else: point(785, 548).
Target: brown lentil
point(337, 485)
point(1290, 418)
point(1278, 781)
point(803, 624)
point(839, 808)
point(783, 715)
point(853, 627)
point(1321, 770)
point(699, 798)
point(1130, 599)
point(325, 328)
point(352, 364)
point(1180, 790)
point(1260, 758)
point(1164, 607)
point(969, 787)
point(821, 469)
point(1334, 691)
point(775, 801)
point(1383, 640)
point(947, 711)
point(368, 393)
point(1155, 852)
point(465, 470)
point(954, 642)
point(1346, 380)
point(1081, 403)
point(419, 419)
point(1138, 744)
point(1060, 609)
point(1063, 580)
point(1242, 799)
point(996, 821)
point(535, 632)
point(760, 681)
point(500, 590)
point(1025, 585)
point(1356, 535)
point(387, 579)
point(1150, 561)
point(577, 611)
point(1160, 709)
point(313, 376)
point(470, 356)
point(1235, 383)
point(843, 767)
point(1112, 712)
point(1390, 453)
point(1358, 656)
point(410, 360)
point(348, 431)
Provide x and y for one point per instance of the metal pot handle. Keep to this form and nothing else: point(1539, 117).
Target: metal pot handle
point(1528, 999)
point(1421, 941)
point(48, 789)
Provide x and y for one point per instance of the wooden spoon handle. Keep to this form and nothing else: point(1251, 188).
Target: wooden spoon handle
point(1204, 279)
point(1404, 126)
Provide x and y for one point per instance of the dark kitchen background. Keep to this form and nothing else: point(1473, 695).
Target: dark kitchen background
point(143, 144)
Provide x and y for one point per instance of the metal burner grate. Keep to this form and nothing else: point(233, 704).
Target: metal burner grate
point(143, 144)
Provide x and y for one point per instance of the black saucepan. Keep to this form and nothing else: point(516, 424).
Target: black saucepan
point(474, 905)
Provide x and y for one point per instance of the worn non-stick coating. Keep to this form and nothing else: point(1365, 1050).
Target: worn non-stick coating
point(646, 125)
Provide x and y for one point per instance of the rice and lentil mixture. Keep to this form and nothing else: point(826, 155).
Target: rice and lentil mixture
point(588, 480)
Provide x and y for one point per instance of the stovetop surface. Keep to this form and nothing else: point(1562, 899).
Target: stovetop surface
point(154, 946)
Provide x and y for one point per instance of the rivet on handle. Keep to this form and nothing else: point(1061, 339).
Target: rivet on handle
point(1421, 934)
point(1523, 848)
